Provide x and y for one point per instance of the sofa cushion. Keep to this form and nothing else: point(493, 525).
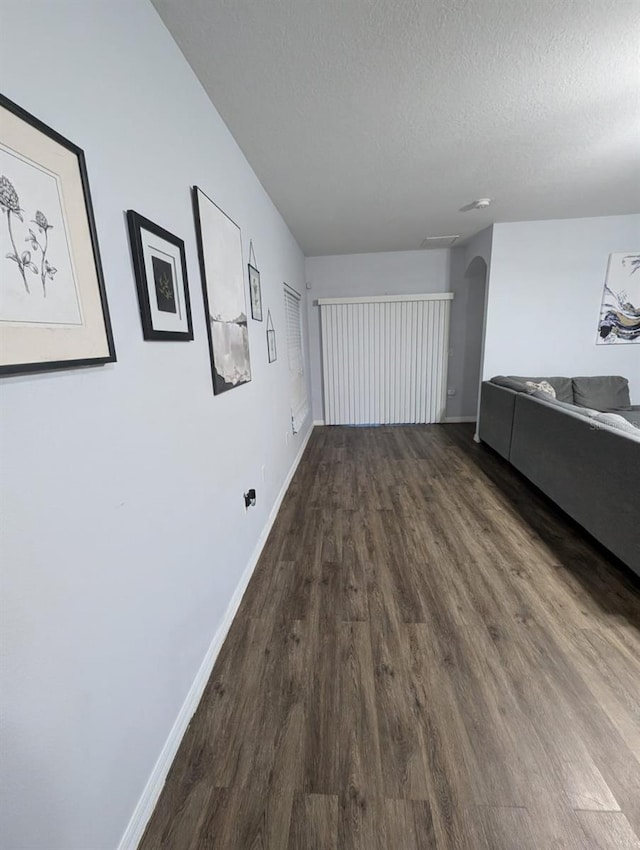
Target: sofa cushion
point(602, 392)
point(632, 415)
point(508, 383)
point(562, 386)
point(613, 420)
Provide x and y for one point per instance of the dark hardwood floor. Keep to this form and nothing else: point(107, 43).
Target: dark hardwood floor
point(429, 655)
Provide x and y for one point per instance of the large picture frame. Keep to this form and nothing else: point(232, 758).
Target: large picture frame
point(221, 267)
point(53, 303)
point(160, 270)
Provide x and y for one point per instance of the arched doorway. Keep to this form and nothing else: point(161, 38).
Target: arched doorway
point(475, 278)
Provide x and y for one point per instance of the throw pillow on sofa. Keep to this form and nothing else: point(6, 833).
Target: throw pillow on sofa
point(542, 387)
point(562, 386)
point(602, 392)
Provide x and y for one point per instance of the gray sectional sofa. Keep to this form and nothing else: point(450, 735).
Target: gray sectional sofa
point(581, 448)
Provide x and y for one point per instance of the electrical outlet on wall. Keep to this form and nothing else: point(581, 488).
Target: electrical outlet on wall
point(451, 392)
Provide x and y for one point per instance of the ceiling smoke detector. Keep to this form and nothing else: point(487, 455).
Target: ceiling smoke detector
point(439, 241)
point(479, 204)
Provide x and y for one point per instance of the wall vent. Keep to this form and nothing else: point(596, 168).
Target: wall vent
point(439, 241)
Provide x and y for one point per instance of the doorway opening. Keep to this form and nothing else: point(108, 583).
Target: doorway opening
point(476, 283)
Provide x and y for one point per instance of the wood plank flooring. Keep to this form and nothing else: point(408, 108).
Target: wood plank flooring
point(429, 655)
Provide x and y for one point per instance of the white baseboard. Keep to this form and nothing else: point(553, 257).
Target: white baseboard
point(147, 802)
point(447, 421)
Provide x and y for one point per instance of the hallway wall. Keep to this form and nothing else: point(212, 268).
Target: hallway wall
point(124, 532)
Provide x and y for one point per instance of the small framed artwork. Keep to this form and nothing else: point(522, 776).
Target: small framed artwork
point(53, 304)
point(160, 270)
point(256, 293)
point(271, 340)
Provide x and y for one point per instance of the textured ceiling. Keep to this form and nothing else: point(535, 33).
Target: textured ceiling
point(371, 122)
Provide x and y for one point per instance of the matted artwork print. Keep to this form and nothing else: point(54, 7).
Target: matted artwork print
point(220, 248)
point(620, 310)
point(53, 305)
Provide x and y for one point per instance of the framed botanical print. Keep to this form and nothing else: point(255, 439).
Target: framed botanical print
point(160, 270)
point(53, 304)
point(255, 293)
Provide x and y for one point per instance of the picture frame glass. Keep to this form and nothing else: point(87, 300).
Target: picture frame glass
point(165, 283)
point(255, 293)
point(40, 280)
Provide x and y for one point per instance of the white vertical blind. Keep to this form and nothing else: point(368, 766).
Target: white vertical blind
point(385, 359)
point(295, 352)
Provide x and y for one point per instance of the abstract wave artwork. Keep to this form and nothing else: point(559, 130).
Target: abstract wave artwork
point(620, 311)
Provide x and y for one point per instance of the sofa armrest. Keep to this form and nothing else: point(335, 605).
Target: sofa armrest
point(495, 421)
point(588, 468)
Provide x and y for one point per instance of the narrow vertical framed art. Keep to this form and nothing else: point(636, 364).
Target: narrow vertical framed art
point(255, 289)
point(255, 293)
point(272, 353)
point(220, 250)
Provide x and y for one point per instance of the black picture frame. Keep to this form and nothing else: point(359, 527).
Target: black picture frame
point(138, 226)
point(212, 277)
point(272, 351)
point(42, 339)
point(255, 293)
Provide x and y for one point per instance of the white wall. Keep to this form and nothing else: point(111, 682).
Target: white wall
point(545, 290)
point(386, 273)
point(124, 531)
